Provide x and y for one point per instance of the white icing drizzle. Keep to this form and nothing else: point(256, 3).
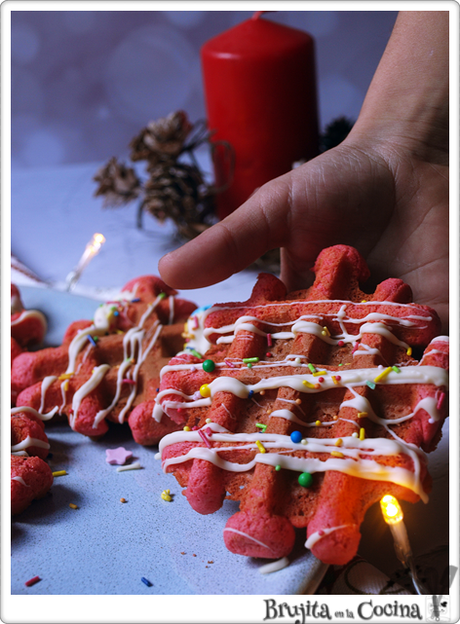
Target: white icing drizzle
point(352, 450)
point(315, 537)
point(249, 537)
point(20, 480)
point(96, 377)
point(25, 314)
point(274, 566)
point(27, 443)
point(171, 309)
point(31, 410)
point(46, 383)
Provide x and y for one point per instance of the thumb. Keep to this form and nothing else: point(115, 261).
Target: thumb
point(231, 245)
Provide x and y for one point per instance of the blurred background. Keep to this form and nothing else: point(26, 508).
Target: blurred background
point(84, 83)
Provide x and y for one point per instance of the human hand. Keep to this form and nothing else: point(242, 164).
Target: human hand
point(378, 197)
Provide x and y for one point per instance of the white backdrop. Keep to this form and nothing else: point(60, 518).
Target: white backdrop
point(85, 82)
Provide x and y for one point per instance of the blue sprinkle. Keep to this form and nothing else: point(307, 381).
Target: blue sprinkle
point(370, 384)
point(135, 300)
point(116, 313)
point(92, 341)
point(296, 437)
point(146, 581)
point(251, 394)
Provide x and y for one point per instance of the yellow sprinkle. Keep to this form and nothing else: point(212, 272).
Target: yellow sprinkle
point(187, 428)
point(208, 421)
point(335, 380)
point(120, 331)
point(335, 417)
point(268, 412)
point(339, 442)
point(362, 434)
point(73, 506)
point(383, 374)
point(59, 473)
point(318, 373)
point(318, 423)
point(409, 351)
point(362, 414)
point(65, 376)
point(205, 391)
point(308, 384)
point(363, 300)
point(337, 454)
point(165, 495)
point(66, 385)
point(260, 446)
point(326, 332)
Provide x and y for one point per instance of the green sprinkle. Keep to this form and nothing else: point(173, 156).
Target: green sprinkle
point(370, 384)
point(312, 368)
point(262, 427)
point(396, 369)
point(249, 365)
point(161, 295)
point(305, 479)
point(250, 360)
point(195, 353)
point(209, 366)
point(277, 467)
point(340, 364)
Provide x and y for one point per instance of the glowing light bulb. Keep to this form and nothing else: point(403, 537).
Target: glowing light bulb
point(92, 248)
point(391, 509)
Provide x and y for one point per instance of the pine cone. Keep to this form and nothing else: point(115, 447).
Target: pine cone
point(178, 192)
point(162, 139)
point(117, 183)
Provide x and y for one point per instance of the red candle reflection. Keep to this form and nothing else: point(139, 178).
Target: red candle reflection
point(260, 90)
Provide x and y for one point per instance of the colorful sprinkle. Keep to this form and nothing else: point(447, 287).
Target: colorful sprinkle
point(260, 446)
point(251, 394)
point(340, 343)
point(296, 437)
point(32, 581)
point(307, 384)
point(204, 438)
point(362, 434)
point(318, 423)
point(195, 353)
point(335, 379)
point(65, 376)
point(117, 456)
point(354, 434)
point(339, 442)
point(269, 340)
point(59, 473)
point(383, 374)
point(325, 332)
point(305, 479)
point(316, 373)
point(146, 582)
point(262, 427)
point(73, 506)
point(135, 466)
point(409, 351)
point(209, 366)
point(268, 354)
point(304, 441)
point(312, 368)
point(166, 495)
point(396, 369)
point(186, 428)
point(370, 384)
point(123, 500)
point(441, 400)
point(362, 414)
point(277, 467)
point(66, 385)
point(92, 341)
point(205, 391)
point(251, 360)
point(228, 363)
point(129, 382)
point(162, 295)
point(337, 454)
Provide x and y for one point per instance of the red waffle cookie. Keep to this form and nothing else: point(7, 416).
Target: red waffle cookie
point(31, 477)
point(28, 328)
point(109, 368)
point(314, 410)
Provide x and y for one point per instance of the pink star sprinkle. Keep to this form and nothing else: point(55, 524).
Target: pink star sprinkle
point(117, 456)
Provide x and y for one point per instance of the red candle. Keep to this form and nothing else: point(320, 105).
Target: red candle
point(260, 90)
